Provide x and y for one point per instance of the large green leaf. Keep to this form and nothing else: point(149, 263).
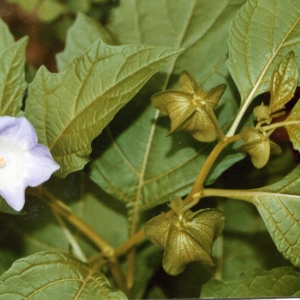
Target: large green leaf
point(69, 109)
point(54, 275)
point(151, 168)
point(260, 37)
point(12, 72)
point(89, 31)
point(279, 206)
point(284, 281)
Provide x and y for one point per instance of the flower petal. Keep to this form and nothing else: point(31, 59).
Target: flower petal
point(18, 131)
point(40, 165)
point(14, 196)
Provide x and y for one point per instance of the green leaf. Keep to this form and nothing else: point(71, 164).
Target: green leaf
point(284, 81)
point(69, 109)
point(260, 38)
point(55, 275)
point(279, 282)
point(199, 27)
point(292, 125)
point(12, 72)
point(81, 35)
point(279, 206)
point(152, 168)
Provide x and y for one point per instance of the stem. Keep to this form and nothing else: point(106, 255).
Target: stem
point(280, 124)
point(131, 255)
point(238, 119)
point(244, 195)
point(216, 123)
point(198, 185)
point(131, 242)
point(117, 274)
point(75, 246)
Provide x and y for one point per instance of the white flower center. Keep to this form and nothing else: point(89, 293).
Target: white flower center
point(2, 162)
point(12, 163)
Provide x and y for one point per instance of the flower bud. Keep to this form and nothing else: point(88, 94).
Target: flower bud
point(262, 113)
point(259, 146)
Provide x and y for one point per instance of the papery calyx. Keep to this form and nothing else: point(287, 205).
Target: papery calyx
point(190, 108)
point(186, 236)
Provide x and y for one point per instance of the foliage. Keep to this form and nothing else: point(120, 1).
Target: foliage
point(78, 281)
point(282, 282)
point(158, 102)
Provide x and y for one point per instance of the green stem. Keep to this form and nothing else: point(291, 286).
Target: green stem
point(216, 123)
point(131, 242)
point(199, 182)
point(130, 274)
point(234, 194)
point(279, 124)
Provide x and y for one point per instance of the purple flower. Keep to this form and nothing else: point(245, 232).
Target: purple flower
point(23, 162)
